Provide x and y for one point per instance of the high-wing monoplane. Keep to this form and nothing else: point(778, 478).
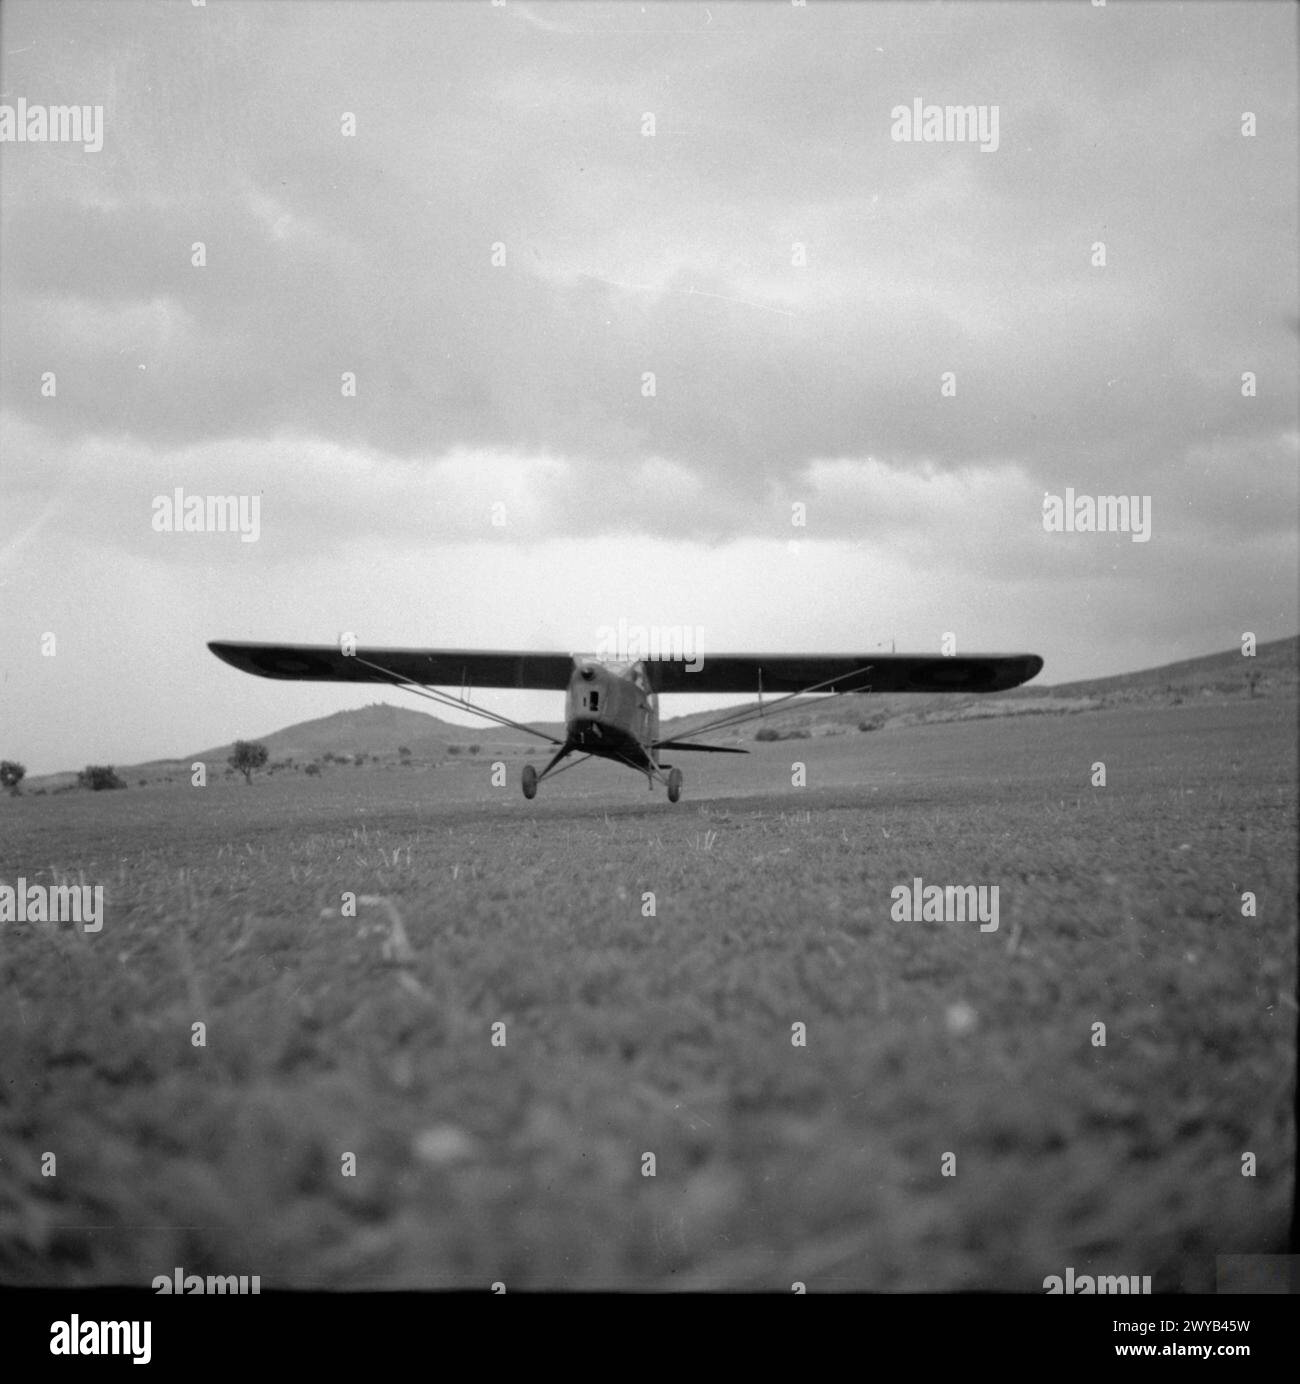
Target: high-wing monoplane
point(612, 705)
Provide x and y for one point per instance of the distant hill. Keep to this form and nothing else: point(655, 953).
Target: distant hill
point(375, 732)
point(380, 730)
point(1277, 665)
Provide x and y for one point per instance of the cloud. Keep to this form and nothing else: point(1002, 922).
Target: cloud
point(671, 255)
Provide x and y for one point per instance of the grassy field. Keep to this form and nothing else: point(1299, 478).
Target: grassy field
point(627, 1034)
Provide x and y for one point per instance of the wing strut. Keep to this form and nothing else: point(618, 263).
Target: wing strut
point(740, 715)
point(460, 703)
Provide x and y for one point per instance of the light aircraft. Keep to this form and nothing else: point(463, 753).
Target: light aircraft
point(611, 705)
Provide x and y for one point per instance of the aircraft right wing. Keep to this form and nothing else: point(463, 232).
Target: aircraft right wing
point(789, 673)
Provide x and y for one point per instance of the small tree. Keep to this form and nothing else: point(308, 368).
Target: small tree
point(248, 755)
point(11, 775)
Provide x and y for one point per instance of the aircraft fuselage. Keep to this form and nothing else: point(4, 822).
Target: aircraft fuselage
point(612, 711)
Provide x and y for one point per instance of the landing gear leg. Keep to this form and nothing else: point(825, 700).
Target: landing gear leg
point(674, 785)
point(530, 778)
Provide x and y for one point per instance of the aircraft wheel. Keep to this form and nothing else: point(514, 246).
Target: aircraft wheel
point(674, 785)
point(529, 779)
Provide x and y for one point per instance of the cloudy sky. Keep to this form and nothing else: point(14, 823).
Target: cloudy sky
point(502, 253)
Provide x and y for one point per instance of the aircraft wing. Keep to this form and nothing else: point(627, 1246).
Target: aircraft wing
point(472, 668)
point(744, 673)
point(754, 673)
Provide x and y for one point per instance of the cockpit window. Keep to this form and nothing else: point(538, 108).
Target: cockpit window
point(619, 667)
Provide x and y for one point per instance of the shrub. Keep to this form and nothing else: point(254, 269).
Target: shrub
point(313, 770)
point(453, 749)
point(98, 777)
point(11, 776)
point(474, 749)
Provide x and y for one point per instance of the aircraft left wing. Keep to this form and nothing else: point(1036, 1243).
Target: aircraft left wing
point(472, 668)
